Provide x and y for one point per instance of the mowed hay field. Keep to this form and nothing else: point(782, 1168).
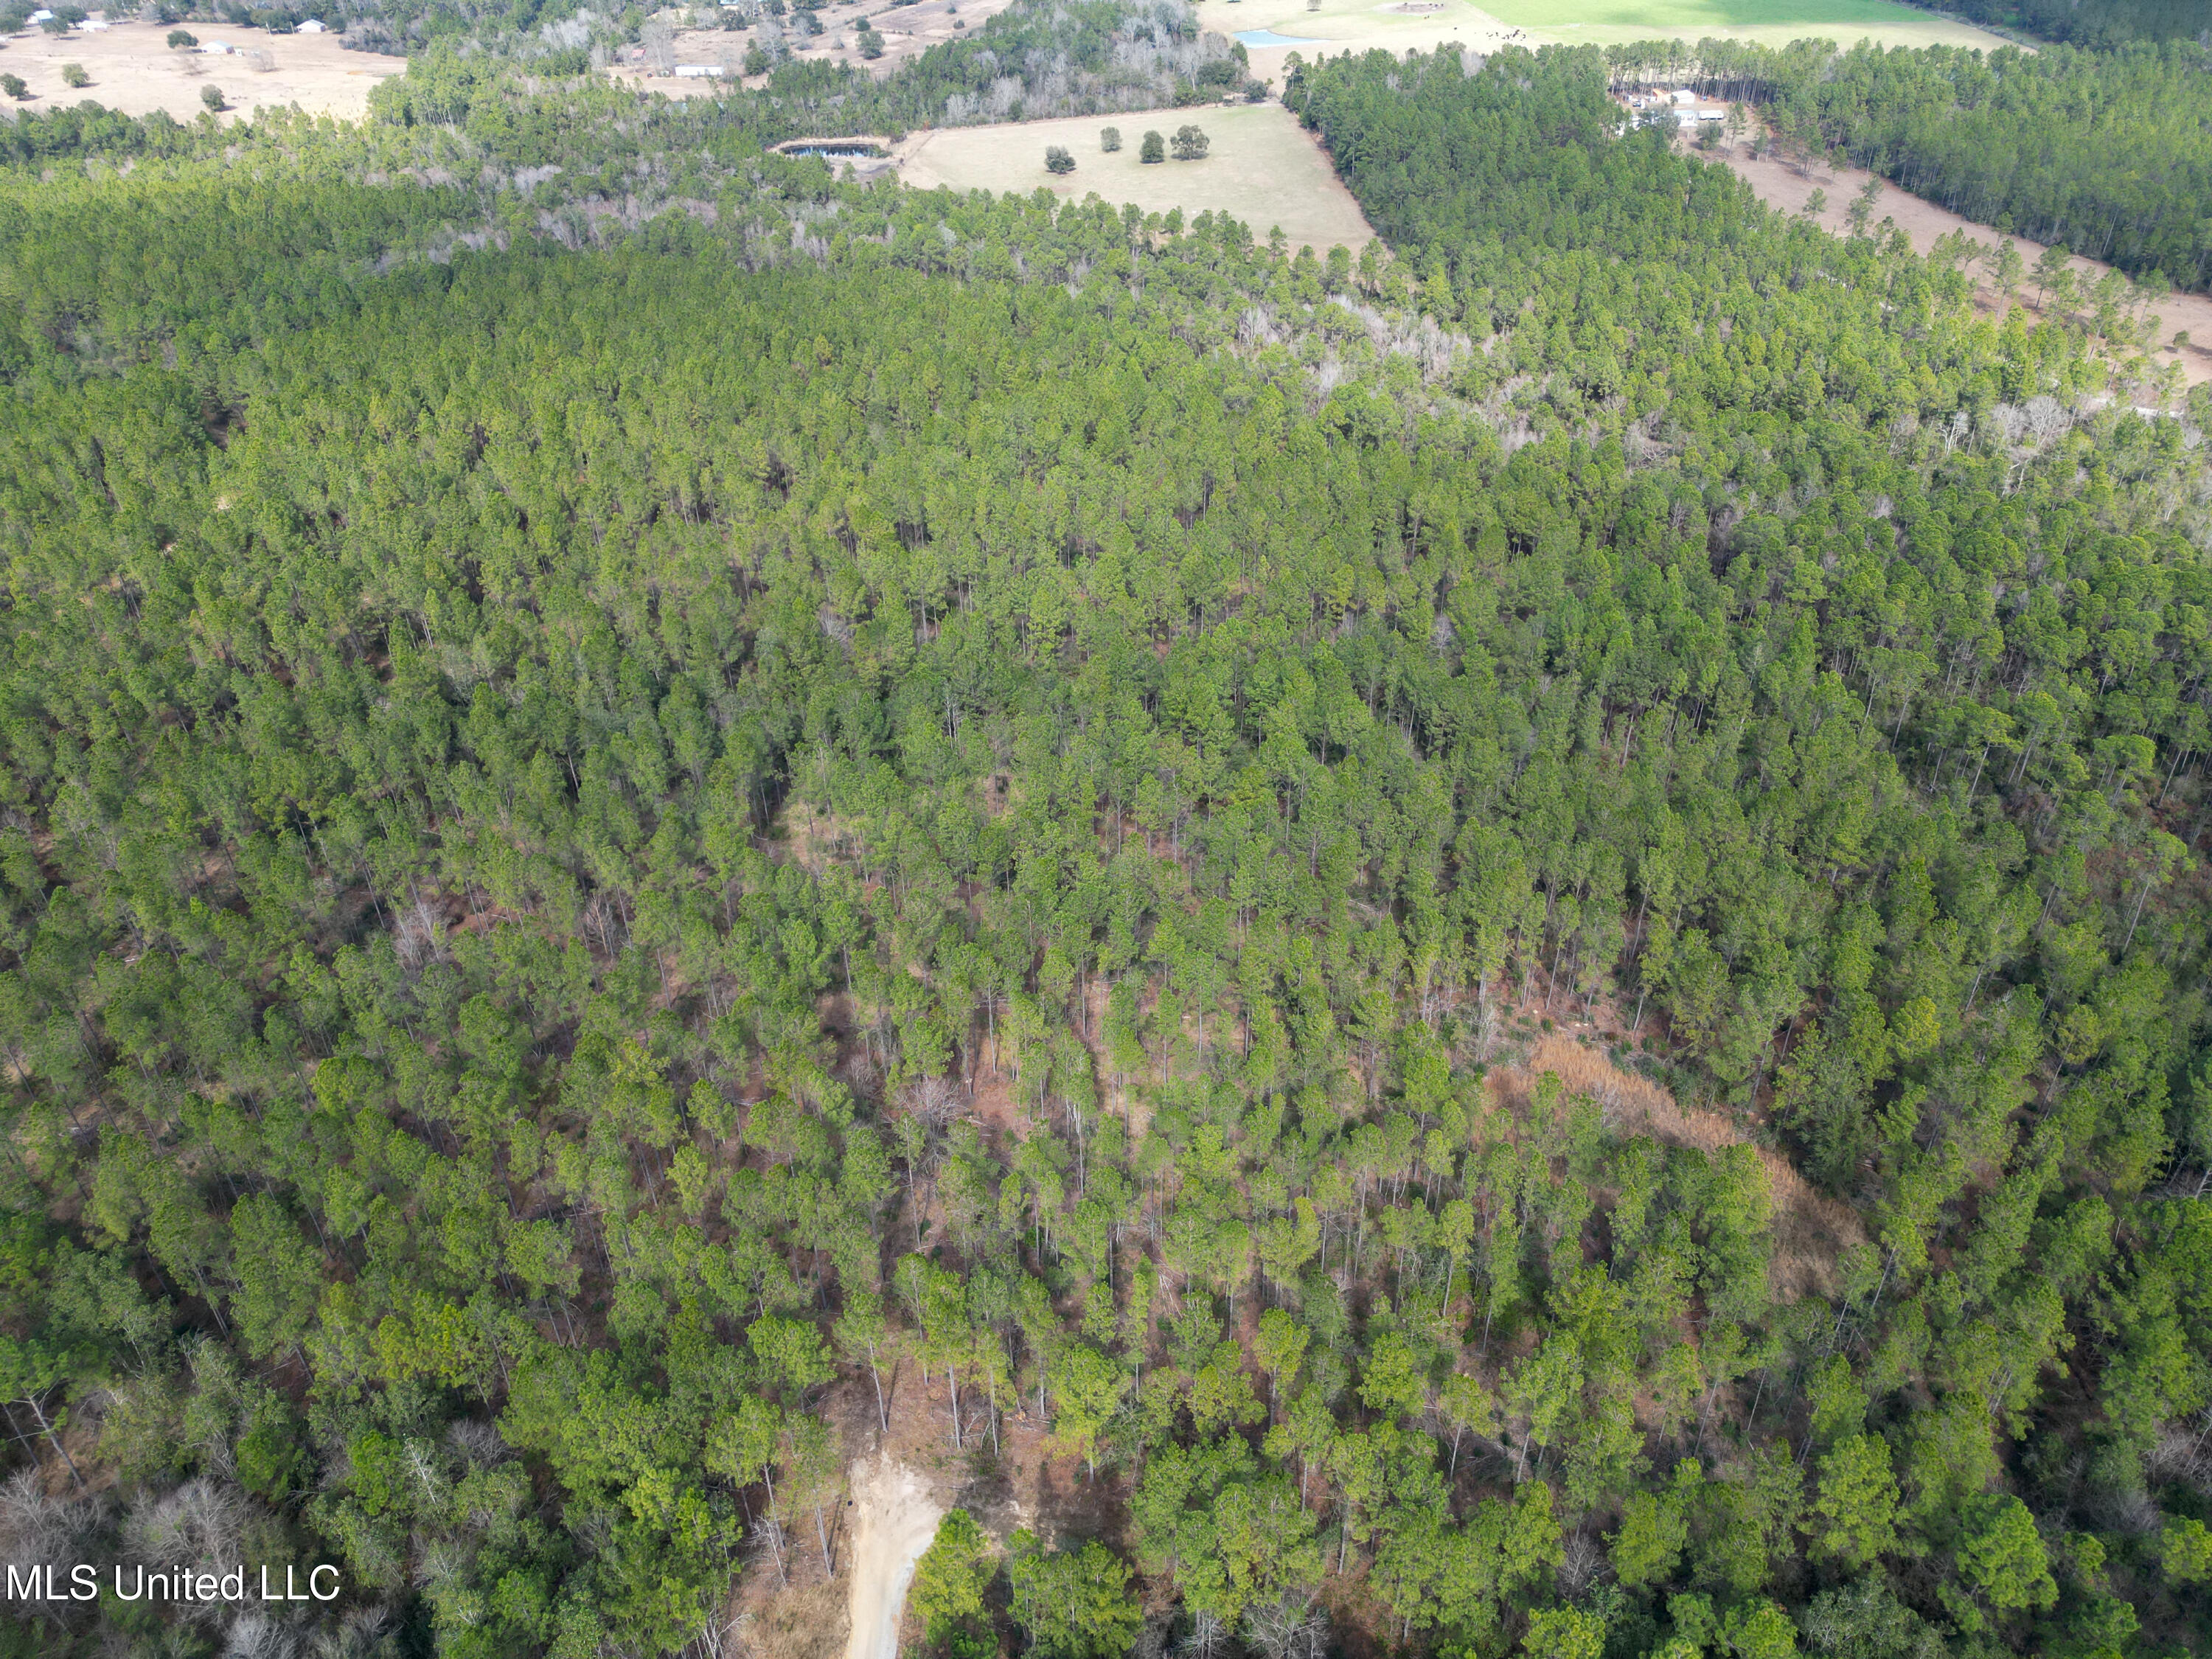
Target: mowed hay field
point(1341, 23)
point(1358, 25)
point(132, 70)
point(1262, 168)
point(1772, 22)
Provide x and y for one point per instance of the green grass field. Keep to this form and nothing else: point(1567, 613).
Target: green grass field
point(1341, 22)
point(1262, 167)
point(1773, 21)
point(1341, 25)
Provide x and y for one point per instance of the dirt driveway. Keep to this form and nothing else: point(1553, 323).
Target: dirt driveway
point(894, 1519)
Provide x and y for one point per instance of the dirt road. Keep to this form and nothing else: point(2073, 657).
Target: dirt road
point(1923, 222)
point(894, 1519)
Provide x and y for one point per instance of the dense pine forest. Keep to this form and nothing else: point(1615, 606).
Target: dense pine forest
point(1494, 948)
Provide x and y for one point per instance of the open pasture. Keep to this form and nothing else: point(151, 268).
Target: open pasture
point(1772, 22)
point(1286, 26)
point(1262, 167)
point(1338, 26)
point(132, 70)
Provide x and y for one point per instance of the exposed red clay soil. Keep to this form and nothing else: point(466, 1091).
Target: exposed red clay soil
point(1811, 1230)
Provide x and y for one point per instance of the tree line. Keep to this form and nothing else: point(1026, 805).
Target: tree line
point(2106, 153)
point(2092, 23)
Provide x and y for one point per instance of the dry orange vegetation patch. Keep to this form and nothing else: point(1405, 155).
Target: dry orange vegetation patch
point(1810, 1231)
point(803, 1622)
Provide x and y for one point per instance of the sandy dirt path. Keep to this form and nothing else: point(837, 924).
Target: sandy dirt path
point(894, 1519)
point(1781, 186)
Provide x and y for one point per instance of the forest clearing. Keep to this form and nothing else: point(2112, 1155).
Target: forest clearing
point(905, 31)
point(1262, 168)
point(132, 70)
point(908, 31)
